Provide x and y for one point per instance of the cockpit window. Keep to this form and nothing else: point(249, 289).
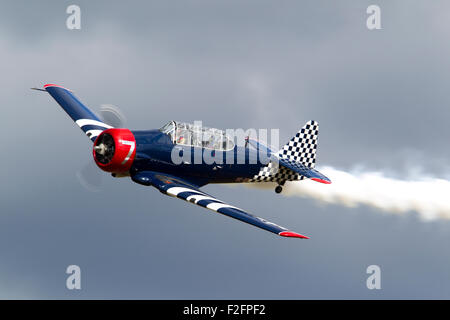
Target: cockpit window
point(198, 136)
point(169, 129)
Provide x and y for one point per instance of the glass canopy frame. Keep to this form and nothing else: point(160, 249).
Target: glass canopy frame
point(197, 136)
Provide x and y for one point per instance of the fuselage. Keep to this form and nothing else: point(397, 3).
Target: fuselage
point(155, 151)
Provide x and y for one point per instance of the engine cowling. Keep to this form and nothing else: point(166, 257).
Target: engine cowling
point(114, 150)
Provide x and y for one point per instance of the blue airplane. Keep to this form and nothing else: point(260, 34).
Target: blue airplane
point(166, 158)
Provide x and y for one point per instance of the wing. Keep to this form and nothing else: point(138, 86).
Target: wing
point(188, 190)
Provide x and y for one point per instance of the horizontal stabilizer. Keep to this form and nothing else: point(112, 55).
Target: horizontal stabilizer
point(304, 171)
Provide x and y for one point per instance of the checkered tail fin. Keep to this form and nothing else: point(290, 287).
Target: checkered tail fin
point(302, 147)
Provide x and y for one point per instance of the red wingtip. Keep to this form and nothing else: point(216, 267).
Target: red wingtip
point(321, 180)
point(292, 235)
point(54, 85)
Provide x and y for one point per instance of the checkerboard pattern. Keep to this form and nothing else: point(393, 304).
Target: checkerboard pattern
point(301, 149)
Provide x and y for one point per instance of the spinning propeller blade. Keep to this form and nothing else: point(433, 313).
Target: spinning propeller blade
point(90, 176)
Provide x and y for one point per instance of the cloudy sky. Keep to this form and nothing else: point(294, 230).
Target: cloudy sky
point(381, 98)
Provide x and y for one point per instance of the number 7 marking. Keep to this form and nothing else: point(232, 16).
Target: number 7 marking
point(132, 146)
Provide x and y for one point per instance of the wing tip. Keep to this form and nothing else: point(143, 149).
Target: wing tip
point(291, 234)
point(321, 180)
point(48, 85)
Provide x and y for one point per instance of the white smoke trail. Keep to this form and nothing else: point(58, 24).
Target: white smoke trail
point(428, 196)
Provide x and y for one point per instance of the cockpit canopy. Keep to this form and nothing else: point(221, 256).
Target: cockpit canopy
point(197, 136)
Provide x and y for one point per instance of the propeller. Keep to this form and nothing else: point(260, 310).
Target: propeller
point(110, 114)
point(90, 176)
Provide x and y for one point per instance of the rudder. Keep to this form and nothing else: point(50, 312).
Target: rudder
point(302, 147)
